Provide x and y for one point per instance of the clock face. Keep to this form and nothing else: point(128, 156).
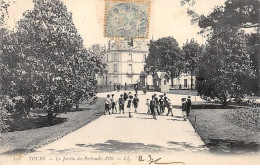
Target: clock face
point(127, 20)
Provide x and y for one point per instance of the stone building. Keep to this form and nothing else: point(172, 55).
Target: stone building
point(125, 63)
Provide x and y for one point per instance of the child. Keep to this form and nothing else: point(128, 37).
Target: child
point(183, 100)
point(107, 104)
point(169, 106)
point(113, 100)
point(184, 108)
point(135, 102)
point(148, 106)
point(129, 105)
point(161, 104)
point(121, 104)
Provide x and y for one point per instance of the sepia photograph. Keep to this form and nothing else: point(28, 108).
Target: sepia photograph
point(129, 82)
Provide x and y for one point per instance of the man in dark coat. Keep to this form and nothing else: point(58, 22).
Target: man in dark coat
point(157, 104)
point(188, 106)
point(152, 107)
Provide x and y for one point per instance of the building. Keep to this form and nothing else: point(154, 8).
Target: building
point(125, 63)
point(184, 81)
point(161, 82)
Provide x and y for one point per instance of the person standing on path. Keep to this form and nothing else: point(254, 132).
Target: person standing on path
point(188, 106)
point(129, 105)
point(107, 104)
point(136, 101)
point(157, 104)
point(169, 106)
point(161, 104)
point(148, 106)
point(113, 100)
point(165, 101)
point(121, 104)
point(153, 106)
point(184, 108)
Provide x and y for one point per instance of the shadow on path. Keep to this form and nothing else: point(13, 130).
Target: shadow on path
point(114, 146)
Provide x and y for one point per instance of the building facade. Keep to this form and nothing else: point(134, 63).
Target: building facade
point(125, 62)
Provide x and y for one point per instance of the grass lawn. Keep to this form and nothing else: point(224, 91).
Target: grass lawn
point(184, 92)
point(224, 135)
point(27, 140)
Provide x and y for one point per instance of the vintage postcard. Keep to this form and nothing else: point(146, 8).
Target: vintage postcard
point(129, 82)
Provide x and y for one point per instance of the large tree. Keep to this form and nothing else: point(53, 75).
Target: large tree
point(165, 55)
point(45, 59)
point(224, 71)
point(192, 51)
point(239, 14)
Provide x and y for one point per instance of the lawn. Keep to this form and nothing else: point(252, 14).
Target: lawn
point(184, 92)
point(224, 133)
point(30, 139)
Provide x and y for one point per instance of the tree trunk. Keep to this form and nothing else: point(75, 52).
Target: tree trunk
point(225, 103)
point(191, 86)
point(50, 117)
point(172, 81)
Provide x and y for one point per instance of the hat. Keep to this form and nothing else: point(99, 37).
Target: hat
point(189, 96)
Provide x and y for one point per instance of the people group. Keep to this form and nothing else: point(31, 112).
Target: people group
point(128, 99)
point(157, 105)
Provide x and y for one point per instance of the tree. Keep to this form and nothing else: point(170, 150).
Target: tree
point(192, 51)
point(165, 55)
point(44, 62)
point(239, 14)
point(3, 18)
point(97, 54)
point(224, 70)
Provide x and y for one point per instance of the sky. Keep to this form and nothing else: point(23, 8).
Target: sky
point(168, 18)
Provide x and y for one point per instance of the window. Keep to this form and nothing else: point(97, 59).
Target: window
point(115, 67)
point(165, 82)
point(130, 57)
point(115, 57)
point(130, 68)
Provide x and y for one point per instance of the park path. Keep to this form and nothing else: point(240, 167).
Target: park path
point(118, 134)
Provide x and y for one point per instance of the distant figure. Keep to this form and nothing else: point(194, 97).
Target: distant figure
point(118, 87)
point(136, 88)
point(188, 106)
point(113, 100)
point(115, 86)
point(107, 104)
point(169, 106)
point(136, 101)
point(121, 104)
point(153, 106)
point(148, 106)
point(157, 104)
point(161, 104)
point(125, 86)
point(144, 90)
point(129, 105)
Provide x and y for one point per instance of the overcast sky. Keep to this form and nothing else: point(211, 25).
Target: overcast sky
point(168, 18)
